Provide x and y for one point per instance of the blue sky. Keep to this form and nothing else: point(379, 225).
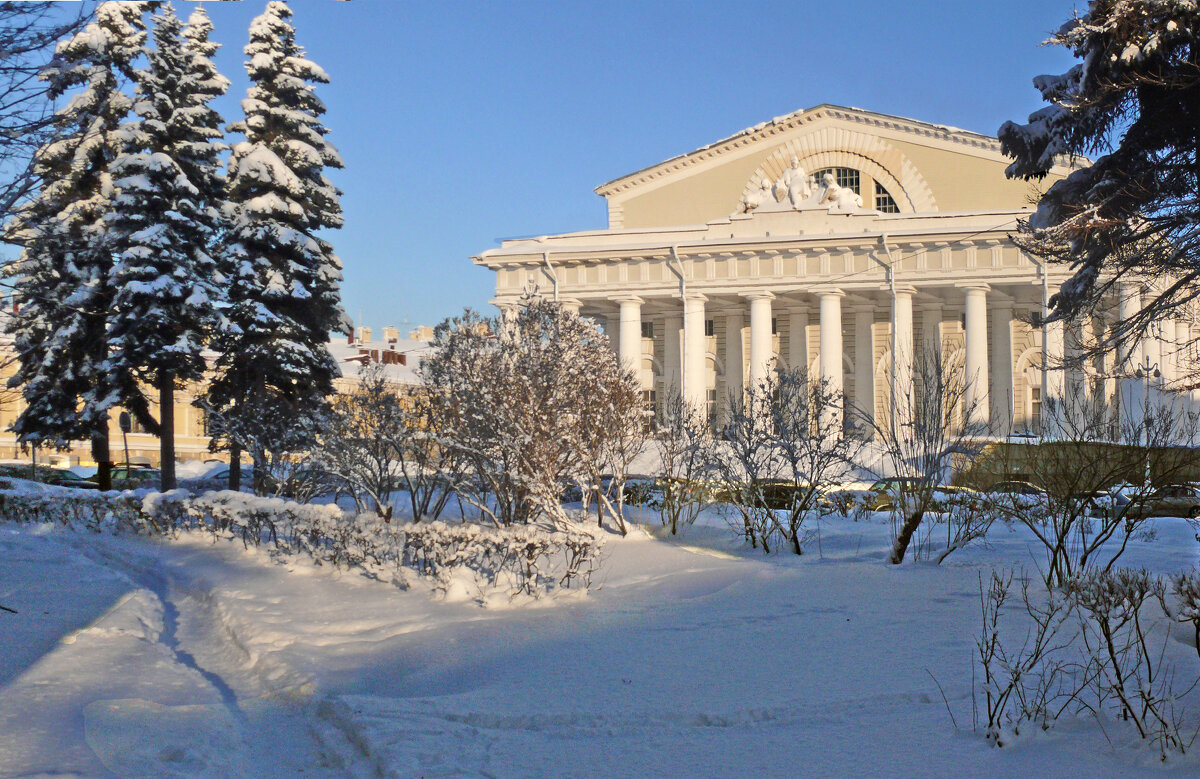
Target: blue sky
point(464, 123)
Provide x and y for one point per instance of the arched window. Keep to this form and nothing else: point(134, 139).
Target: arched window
point(884, 201)
point(845, 177)
point(852, 179)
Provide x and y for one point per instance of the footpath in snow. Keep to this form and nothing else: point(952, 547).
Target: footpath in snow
point(135, 658)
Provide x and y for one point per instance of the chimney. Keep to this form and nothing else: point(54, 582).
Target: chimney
point(391, 335)
point(364, 335)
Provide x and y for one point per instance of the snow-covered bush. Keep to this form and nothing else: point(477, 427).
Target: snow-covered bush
point(32, 503)
point(519, 560)
point(532, 401)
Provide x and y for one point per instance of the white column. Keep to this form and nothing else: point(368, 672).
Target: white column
point(695, 389)
point(673, 350)
point(976, 363)
point(831, 338)
point(1170, 349)
point(1129, 357)
point(760, 335)
point(1053, 379)
point(630, 348)
point(1109, 367)
point(831, 353)
point(1001, 390)
point(864, 362)
point(902, 315)
point(570, 305)
point(734, 356)
point(798, 339)
point(931, 330)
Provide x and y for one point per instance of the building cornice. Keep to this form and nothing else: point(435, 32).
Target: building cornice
point(692, 242)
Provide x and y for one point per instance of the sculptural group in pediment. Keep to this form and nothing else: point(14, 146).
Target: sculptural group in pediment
point(796, 188)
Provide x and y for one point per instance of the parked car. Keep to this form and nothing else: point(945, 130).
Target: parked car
point(1177, 500)
point(1016, 487)
point(128, 477)
point(887, 494)
point(65, 478)
point(217, 479)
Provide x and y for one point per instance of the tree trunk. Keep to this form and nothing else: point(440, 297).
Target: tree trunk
point(100, 453)
point(235, 466)
point(166, 437)
point(905, 536)
point(258, 473)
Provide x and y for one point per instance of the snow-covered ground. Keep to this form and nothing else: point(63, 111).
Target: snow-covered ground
point(136, 658)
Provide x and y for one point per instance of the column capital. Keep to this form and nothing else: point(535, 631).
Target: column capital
point(699, 297)
point(905, 289)
point(826, 292)
point(628, 299)
point(981, 287)
point(760, 294)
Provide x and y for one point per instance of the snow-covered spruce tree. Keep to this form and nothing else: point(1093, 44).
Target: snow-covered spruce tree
point(165, 218)
point(282, 278)
point(1133, 214)
point(62, 279)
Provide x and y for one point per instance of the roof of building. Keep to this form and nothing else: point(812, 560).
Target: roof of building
point(350, 355)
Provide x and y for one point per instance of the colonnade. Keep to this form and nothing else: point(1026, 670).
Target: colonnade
point(915, 320)
point(988, 318)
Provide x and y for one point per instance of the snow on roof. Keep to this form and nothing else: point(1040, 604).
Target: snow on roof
point(349, 356)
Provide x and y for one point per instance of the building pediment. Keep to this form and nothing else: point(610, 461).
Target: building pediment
point(904, 166)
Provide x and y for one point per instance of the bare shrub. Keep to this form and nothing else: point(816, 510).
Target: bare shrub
point(683, 439)
point(958, 520)
point(742, 458)
point(933, 426)
point(812, 449)
point(1131, 674)
point(1079, 524)
point(608, 434)
point(378, 439)
point(1031, 683)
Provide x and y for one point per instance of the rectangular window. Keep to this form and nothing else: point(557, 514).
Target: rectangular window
point(1035, 409)
point(647, 329)
point(774, 326)
point(710, 407)
point(649, 409)
point(710, 328)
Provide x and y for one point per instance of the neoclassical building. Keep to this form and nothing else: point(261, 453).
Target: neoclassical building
point(833, 238)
